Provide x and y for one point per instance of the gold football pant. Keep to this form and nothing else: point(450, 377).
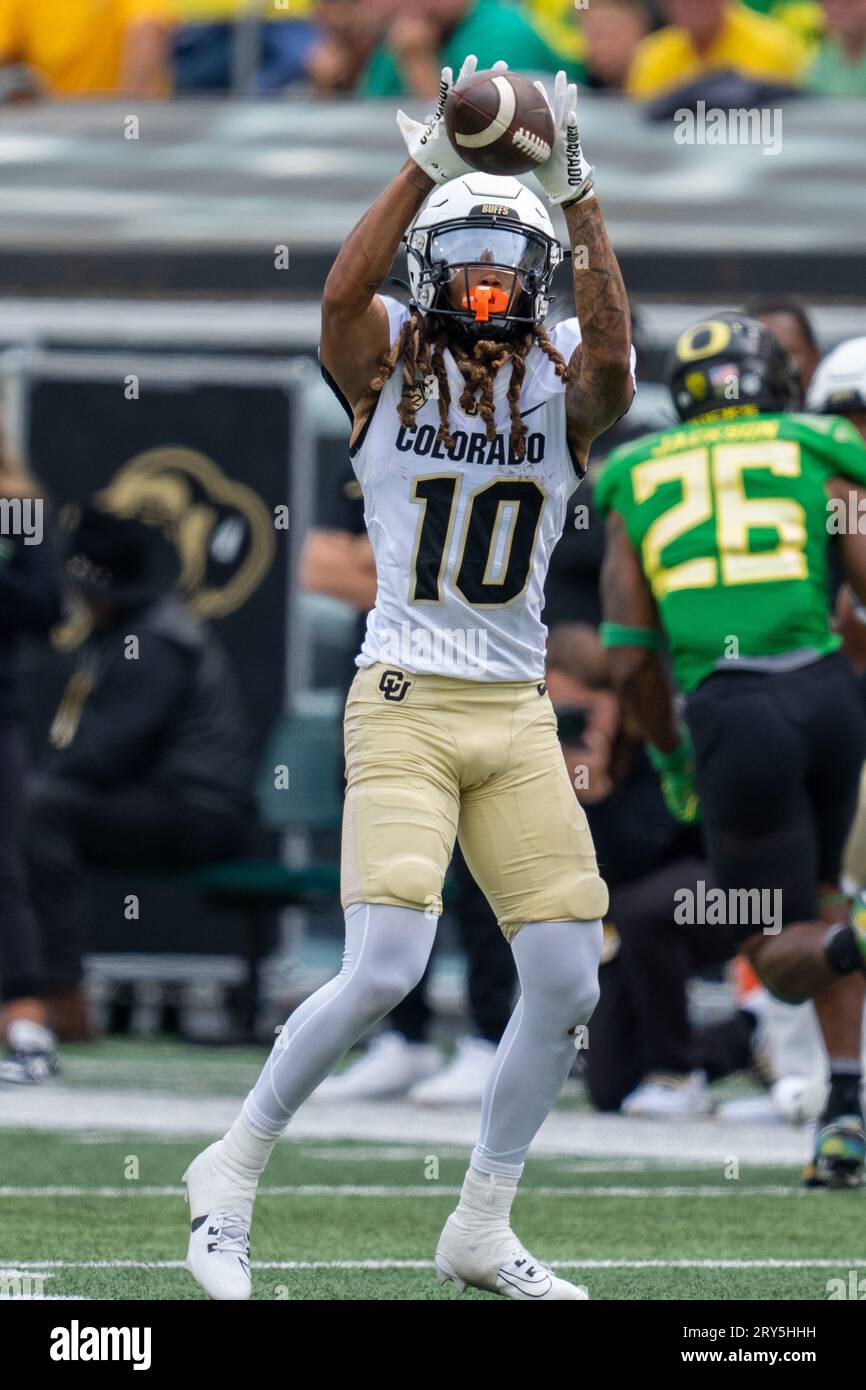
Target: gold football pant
point(430, 759)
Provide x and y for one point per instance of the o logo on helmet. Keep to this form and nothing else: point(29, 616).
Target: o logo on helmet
point(703, 340)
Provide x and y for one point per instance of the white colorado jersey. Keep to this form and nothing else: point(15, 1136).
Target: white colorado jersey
point(463, 537)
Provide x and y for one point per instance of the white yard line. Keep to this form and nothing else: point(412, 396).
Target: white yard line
point(431, 1189)
point(838, 1262)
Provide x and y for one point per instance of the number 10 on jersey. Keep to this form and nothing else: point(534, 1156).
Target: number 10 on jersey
point(494, 557)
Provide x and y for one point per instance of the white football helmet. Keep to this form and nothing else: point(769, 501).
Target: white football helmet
point(482, 252)
point(839, 384)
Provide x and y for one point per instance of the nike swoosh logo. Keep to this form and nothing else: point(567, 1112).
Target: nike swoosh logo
point(534, 1288)
point(524, 413)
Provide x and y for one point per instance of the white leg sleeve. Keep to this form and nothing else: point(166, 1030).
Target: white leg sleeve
point(558, 967)
point(386, 953)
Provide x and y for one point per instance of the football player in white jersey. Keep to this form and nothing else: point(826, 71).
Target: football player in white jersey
point(470, 426)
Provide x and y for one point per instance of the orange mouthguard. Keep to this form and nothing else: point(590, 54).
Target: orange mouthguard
point(484, 298)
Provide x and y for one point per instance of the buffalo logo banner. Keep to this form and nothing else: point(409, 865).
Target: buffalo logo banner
point(209, 465)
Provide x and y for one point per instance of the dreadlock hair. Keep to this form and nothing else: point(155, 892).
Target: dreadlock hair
point(420, 347)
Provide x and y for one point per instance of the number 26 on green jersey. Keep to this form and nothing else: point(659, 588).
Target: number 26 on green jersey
point(713, 490)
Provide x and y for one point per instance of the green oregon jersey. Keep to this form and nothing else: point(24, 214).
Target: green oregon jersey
point(731, 522)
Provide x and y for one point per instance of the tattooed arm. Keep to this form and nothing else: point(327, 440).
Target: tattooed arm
point(639, 673)
point(599, 385)
point(354, 319)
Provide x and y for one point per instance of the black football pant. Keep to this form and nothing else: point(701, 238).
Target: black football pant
point(641, 1023)
point(73, 827)
point(778, 761)
point(20, 969)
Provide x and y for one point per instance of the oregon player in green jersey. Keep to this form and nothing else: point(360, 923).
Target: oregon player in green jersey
point(717, 563)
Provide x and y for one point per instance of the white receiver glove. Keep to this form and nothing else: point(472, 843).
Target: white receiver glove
point(428, 143)
point(565, 176)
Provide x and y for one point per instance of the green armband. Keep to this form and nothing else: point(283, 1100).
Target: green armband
point(618, 635)
point(679, 760)
point(677, 776)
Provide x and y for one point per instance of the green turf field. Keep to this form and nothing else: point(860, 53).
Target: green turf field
point(102, 1214)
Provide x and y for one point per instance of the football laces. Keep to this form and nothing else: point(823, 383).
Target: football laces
point(232, 1237)
point(531, 144)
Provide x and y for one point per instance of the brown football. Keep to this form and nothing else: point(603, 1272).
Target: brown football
point(499, 122)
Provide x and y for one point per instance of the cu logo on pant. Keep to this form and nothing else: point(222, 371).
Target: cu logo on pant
point(394, 685)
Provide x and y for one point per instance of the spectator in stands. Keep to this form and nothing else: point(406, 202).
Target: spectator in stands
point(640, 1054)
point(787, 319)
point(337, 558)
point(29, 605)
point(612, 31)
point(77, 48)
point(713, 36)
point(225, 44)
point(348, 33)
point(149, 764)
point(839, 68)
point(805, 18)
point(424, 35)
point(554, 21)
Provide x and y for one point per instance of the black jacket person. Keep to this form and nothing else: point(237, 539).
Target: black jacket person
point(149, 763)
point(29, 606)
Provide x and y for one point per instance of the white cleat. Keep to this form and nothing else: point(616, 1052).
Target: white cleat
point(668, 1097)
point(478, 1248)
point(33, 1054)
point(218, 1257)
point(463, 1081)
point(389, 1067)
point(495, 1260)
